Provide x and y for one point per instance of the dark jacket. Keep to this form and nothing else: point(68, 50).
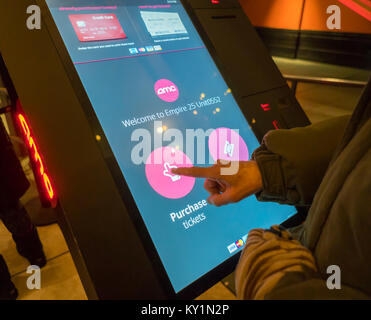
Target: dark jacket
point(326, 166)
point(13, 182)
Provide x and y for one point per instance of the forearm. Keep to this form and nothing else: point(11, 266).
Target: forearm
point(293, 162)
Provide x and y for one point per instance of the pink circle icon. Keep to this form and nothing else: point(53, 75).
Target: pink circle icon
point(159, 175)
point(227, 144)
point(166, 90)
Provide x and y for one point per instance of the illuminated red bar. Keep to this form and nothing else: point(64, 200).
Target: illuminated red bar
point(357, 8)
point(48, 188)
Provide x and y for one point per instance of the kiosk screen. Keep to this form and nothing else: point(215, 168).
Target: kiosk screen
point(162, 103)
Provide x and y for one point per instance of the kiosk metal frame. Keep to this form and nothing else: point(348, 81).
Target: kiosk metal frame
point(97, 212)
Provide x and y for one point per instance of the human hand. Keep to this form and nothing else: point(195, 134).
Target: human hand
point(224, 188)
point(268, 256)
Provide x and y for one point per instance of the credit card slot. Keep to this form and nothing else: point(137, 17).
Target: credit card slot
point(223, 17)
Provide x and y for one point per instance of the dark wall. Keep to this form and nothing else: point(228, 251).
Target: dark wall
point(342, 48)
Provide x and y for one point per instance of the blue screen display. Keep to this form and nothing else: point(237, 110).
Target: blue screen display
point(163, 103)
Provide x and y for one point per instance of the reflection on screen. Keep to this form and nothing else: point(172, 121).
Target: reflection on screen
point(163, 103)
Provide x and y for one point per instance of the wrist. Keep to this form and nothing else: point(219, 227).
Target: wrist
point(256, 177)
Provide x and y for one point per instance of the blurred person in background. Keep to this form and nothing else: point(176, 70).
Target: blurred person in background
point(13, 184)
point(325, 166)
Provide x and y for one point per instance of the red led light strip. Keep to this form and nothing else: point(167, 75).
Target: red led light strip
point(276, 125)
point(36, 157)
point(358, 8)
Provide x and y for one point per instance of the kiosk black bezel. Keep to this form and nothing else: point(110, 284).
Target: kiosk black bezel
point(214, 275)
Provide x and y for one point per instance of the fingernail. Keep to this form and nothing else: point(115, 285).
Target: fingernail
point(210, 201)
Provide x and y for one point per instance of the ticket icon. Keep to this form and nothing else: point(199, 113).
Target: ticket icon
point(158, 172)
point(97, 27)
point(227, 144)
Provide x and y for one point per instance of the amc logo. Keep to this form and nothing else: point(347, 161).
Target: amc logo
point(166, 90)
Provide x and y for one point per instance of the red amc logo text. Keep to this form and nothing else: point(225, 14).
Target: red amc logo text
point(31, 144)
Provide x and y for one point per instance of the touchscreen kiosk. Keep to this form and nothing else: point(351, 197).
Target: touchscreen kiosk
point(137, 88)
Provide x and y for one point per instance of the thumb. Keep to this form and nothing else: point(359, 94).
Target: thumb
point(220, 199)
